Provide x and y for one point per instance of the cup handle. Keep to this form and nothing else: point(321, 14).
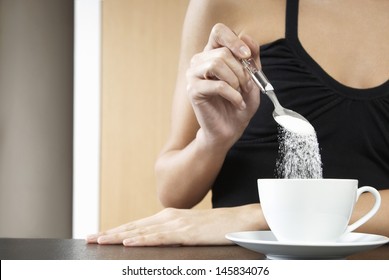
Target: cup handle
point(372, 211)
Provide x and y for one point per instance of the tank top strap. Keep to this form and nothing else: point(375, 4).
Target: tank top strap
point(291, 19)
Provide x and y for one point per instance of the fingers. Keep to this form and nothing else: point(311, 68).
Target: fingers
point(222, 36)
point(241, 47)
point(205, 90)
point(254, 47)
point(114, 233)
point(219, 64)
point(156, 224)
point(156, 239)
point(218, 73)
point(157, 235)
point(213, 74)
point(136, 236)
point(107, 237)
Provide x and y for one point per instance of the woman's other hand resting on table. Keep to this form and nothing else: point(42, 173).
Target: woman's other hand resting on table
point(183, 227)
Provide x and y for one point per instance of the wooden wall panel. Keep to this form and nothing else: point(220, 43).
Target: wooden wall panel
point(140, 48)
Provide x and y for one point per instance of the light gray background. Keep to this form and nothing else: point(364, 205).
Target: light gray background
point(36, 118)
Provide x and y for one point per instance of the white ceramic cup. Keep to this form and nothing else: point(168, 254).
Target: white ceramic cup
point(312, 210)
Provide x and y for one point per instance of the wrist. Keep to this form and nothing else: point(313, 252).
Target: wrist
point(252, 217)
point(213, 145)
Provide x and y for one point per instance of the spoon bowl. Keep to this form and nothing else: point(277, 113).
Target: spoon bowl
point(286, 118)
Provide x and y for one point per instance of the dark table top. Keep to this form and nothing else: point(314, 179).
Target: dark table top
point(76, 249)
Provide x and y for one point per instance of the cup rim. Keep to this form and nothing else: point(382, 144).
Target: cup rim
point(308, 179)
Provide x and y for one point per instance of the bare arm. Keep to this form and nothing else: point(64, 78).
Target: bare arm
point(379, 223)
point(214, 101)
point(204, 227)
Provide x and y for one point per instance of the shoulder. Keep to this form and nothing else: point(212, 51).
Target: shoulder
point(263, 20)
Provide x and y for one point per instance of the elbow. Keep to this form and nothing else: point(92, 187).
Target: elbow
point(164, 193)
point(166, 200)
point(167, 192)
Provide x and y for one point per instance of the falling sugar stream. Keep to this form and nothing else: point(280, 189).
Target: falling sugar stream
point(298, 153)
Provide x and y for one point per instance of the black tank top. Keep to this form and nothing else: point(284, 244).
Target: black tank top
point(352, 125)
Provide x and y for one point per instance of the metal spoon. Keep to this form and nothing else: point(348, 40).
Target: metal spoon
point(288, 119)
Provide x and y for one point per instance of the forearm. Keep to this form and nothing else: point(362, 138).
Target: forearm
point(223, 99)
point(185, 176)
point(379, 223)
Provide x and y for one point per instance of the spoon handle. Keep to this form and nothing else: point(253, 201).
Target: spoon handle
point(258, 76)
point(263, 83)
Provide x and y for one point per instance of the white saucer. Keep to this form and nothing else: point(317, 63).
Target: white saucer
point(265, 242)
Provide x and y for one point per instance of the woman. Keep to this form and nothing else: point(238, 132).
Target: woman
point(328, 60)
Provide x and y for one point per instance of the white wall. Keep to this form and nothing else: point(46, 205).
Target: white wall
point(87, 80)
